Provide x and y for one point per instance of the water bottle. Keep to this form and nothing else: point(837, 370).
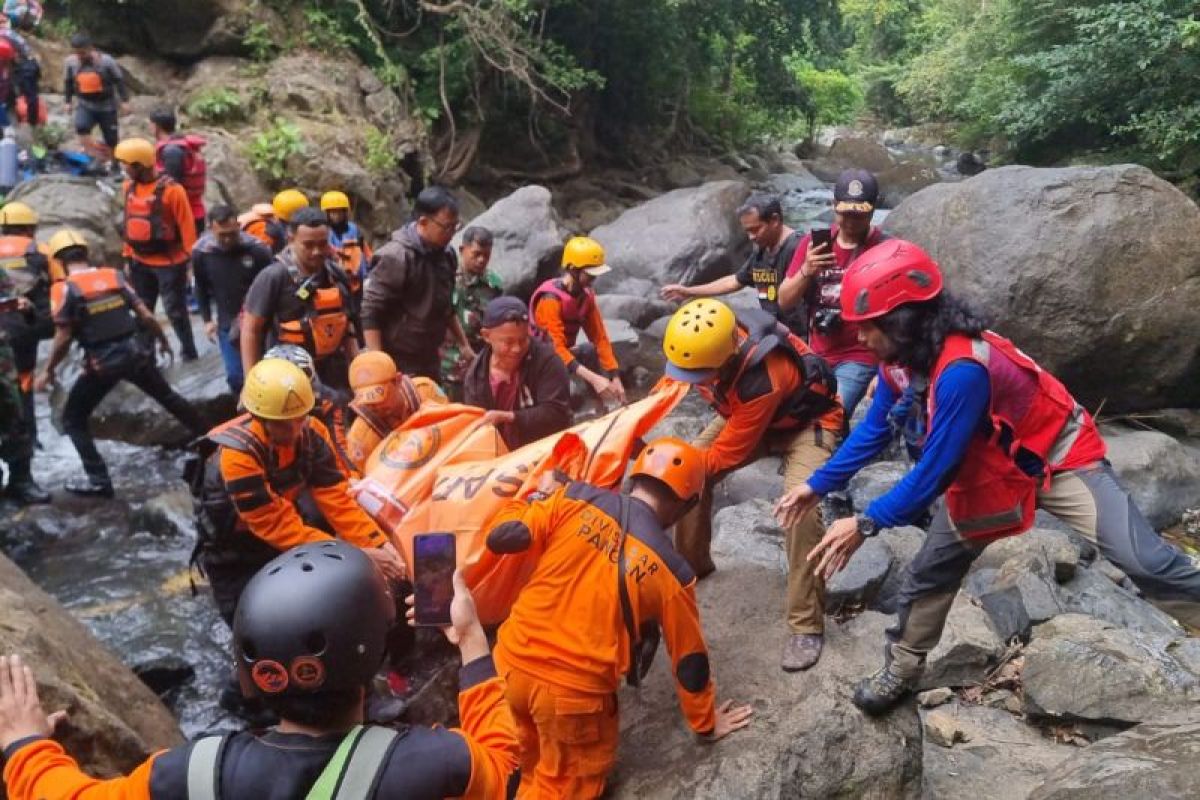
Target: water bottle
point(8, 161)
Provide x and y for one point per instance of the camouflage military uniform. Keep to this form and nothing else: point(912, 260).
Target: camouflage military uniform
point(16, 445)
point(471, 294)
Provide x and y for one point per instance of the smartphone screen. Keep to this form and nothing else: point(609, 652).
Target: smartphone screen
point(821, 236)
point(433, 577)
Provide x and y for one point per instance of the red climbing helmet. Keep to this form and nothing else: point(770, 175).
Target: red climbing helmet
point(888, 275)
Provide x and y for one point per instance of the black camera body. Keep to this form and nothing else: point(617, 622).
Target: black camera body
point(827, 320)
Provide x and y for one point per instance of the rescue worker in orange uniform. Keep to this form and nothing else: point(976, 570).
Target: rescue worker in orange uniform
point(29, 267)
point(264, 460)
point(95, 306)
point(565, 305)
point(772, 397)
point(606, 572)
point(995, 435)
point(159, 232)
point(303, 298)
point(384, 398)
point(309, 635)
point(329, 407)
point(347, 240)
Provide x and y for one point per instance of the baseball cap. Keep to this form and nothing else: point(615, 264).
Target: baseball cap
point(856, 191)
point(503, 310)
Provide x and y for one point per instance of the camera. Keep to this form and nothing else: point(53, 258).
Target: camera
point(827, 320)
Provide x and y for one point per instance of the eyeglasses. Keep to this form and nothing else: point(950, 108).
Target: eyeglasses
point(455, 228)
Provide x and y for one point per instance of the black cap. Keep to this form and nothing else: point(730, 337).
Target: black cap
point(856, 191)
point(505, 309)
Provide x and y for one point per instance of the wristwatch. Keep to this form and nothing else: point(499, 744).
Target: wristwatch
point(866, 526)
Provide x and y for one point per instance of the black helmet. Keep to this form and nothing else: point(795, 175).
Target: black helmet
point(314, 619)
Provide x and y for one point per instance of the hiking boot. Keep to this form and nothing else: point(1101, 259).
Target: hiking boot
point(26, 493)
point(801, 651)
point(883, 691)
point(89, 486)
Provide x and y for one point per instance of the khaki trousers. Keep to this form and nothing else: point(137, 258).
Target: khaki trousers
point(802, 452)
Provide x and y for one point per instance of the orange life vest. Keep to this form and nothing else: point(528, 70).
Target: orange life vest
point(108, 315)
point(148, 228)
point(325, 323)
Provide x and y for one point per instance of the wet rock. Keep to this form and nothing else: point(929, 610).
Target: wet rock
point(797, 743)
point(969, 647)
point(636, 309)
point(685, 236)
point(115, 720)
point(857, 583)
point(747, 534)
point(1081, 668)
point(165, 676)
point(1000, 758)
point(1160, 473)
point(89, 205)
point(528, 238)
point(799, 180)
point(1154, 759)
point(167, 513)
point(904, 180)
point(874, 481)
point(1048, 252)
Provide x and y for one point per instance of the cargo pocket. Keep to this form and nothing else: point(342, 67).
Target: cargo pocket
point(585, 730)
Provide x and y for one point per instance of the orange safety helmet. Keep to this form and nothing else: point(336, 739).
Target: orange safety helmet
point(675, 463)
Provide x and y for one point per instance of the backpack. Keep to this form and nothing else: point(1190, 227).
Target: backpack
point(147, 228)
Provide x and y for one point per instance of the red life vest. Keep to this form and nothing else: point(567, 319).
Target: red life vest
point(1032, 414)
point(574, 309)
point(148, 228)
point(108, 315)
point(764, 334)
point(195, 169)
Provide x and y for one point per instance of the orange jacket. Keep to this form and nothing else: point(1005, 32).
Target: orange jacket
point(40, 768)
point(547, 315)
point(179, 208)
point(371, 426)
point(750, 406)
point(264, 490)
point(567, 626)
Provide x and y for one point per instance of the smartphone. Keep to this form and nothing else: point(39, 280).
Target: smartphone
point(434, 561)
point(821, 236)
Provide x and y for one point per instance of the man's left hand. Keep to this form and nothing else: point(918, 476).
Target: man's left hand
point(21, 713)
point(833, 551)
point(495, 417)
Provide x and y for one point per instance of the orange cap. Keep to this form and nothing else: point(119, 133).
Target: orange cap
point(676, 463)
point(370, 373)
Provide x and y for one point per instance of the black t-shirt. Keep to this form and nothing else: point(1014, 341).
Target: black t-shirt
point(272, 295)
point(765, 271)
point(224, 277)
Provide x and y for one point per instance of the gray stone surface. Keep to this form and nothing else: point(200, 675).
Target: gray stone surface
point(1081, 668)
point(1162, 474)
point(857, 583)
point(969, 647)
point(1048, 253)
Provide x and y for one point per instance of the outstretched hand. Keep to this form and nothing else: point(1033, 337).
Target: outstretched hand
point(794, 504)
point(835, 549)
point(730, 718)
point(21, 712)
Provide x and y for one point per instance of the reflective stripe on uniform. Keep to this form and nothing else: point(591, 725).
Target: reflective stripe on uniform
point(204, 768)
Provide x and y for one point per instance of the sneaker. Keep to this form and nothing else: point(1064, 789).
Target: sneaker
point(801, 651)
point(89, 486)
point(883, 691)
point(27, 493)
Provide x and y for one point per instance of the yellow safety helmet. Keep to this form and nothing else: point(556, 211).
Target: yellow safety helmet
point(700, 338)
point(17, 213)
point(334, 201)
point(65, 238)
point(277, 389)
point(288, 202)
point(585, 253)
point(135, 151)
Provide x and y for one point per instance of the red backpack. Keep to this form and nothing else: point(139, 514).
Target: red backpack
point(195, 169)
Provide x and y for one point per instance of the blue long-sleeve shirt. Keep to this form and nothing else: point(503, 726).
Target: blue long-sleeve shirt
point(962, 396)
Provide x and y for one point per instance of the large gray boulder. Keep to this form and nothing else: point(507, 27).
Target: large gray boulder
point(806, 738)
point(1080, 668)
point(685, 236)
point(1155, 759)
point(529, 238)
point(89, 205)
point(1093, 271)
point(115, 721)
point(858, 152)
point(1161, 473)
point(182, 29)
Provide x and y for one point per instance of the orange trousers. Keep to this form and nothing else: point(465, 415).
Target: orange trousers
point(568, 738)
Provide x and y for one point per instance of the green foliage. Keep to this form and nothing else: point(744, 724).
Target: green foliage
point(261, 43)
point(382, 158)
point(270, 150)
point(833, 97)
point(326, 32)
point(217, 105)
point(59, 28)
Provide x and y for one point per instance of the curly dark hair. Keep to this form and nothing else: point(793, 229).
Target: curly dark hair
point(918, 330)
